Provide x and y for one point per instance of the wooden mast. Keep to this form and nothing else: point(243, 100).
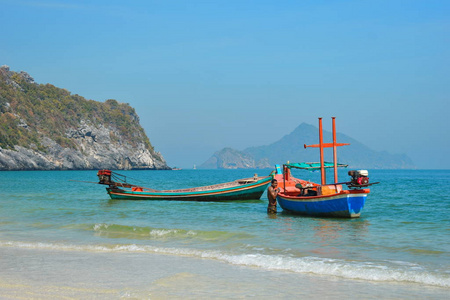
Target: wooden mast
point(334, 151)
point(322, 145)
point(322, 162)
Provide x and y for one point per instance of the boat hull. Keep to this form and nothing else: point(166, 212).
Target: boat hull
point(252, 191)
point(342, 205)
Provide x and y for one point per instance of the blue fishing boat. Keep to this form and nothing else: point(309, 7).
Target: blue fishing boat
point(338, 199)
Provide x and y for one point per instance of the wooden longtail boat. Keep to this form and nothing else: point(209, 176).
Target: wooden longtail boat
point(323, 200)
point(241, 189)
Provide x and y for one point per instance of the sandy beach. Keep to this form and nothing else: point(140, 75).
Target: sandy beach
point(45, 274)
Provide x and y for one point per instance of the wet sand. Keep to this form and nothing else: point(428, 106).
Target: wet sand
point(47, 274)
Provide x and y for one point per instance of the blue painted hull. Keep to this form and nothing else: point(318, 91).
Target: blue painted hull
point(337, 205)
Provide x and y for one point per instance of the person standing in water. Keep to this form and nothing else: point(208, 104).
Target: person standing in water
point(272, 193)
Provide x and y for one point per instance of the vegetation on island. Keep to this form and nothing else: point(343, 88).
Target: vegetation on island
point(30, 111)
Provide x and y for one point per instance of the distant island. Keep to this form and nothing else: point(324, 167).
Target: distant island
point(43, 127)
point(290, 148)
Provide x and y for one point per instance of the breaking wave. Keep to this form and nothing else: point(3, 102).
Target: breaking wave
point(142, 233)
point(392, 271)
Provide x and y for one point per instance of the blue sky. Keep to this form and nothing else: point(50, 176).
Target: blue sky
point(204, 75)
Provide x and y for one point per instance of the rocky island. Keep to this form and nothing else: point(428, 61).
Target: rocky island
point(43, 127)
point(290, 148)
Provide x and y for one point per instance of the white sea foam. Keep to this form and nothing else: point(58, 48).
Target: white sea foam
point(100, 226)
point(162, 232)
point(154, 232)
point(307, 265)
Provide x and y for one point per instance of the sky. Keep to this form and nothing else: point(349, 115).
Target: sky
point(204, 75)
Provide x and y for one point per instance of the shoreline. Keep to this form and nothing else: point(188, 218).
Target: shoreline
point(60, 274)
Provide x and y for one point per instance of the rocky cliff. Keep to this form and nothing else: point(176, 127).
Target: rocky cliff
point(43, 127)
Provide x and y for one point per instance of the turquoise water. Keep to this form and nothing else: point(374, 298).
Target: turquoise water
point(401, 241)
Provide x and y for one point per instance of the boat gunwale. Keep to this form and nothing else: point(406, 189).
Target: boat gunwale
point(226, 185)
point(190, 194)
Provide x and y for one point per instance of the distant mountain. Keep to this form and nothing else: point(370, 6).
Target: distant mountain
point(229, 158)
point(291, 148)
point(43, 127)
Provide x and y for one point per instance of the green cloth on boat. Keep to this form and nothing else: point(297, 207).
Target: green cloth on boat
point(312, 166)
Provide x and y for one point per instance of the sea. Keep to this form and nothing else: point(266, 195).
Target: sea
point(62, 237)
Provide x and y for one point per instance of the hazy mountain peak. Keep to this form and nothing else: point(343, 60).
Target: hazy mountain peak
point(290, 147)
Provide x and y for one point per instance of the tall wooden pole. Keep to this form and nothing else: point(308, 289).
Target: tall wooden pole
point(322, 145)
point(334, 151)
point(322, 166)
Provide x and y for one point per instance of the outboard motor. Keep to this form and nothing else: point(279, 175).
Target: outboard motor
point(104, 176)
point(359, 177)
